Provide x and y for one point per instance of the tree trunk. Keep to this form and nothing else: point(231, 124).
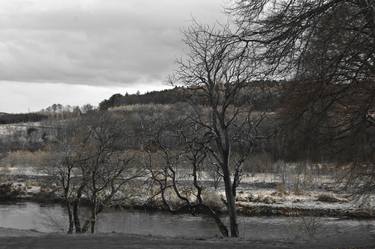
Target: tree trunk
point(70, 215)
point(93, 219)
point(231, 202)
point(223, 229)
point(77, 222)
point(86, 225)
point(76, 202)
point(91, 222)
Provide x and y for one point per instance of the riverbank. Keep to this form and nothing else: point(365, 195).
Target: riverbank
point(244, 209)
point(17, 239)
point(254, 199)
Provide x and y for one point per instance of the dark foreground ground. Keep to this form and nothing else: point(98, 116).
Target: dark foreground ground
point(14, 239)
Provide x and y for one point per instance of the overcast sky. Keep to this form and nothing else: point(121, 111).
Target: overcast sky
point(82, 51)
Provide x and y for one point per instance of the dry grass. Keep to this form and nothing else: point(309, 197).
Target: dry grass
point(142, 107)
point(24, 158)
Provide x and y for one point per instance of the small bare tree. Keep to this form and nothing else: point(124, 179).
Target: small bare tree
point(64, 164)
point(93, 164)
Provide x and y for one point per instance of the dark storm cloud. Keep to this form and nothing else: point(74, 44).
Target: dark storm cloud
point(107, 42)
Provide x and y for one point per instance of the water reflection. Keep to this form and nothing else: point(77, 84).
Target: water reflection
point(51, 218)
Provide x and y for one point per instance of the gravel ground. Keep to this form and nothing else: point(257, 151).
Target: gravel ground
point(19, 239)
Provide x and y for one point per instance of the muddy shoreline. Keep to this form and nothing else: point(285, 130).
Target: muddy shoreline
point(17, 239)
point(249, 204)
point(257, 210)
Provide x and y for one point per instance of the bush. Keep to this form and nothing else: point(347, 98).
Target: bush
point(7, 192)
point(212, 199)
point(330, 198)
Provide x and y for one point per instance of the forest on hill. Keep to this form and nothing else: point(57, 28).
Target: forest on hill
point(185, 94)
point(6, 118)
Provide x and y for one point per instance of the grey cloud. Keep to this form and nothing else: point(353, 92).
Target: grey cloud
point(108, 42)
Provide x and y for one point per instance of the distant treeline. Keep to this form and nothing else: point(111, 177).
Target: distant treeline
point(6, 118)
point(183, 94)
point(170, 96)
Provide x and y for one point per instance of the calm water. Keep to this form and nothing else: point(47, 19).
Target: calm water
point(51, 218)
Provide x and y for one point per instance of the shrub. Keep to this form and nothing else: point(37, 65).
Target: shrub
point(330, 198)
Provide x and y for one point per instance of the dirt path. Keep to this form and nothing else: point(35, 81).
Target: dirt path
point(117, 241)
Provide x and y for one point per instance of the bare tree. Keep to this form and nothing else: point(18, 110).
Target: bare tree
point(175, 168)
point(64, 164)
point(287, 30)
point(326, 49)
point(222, 73)
point(93, 164)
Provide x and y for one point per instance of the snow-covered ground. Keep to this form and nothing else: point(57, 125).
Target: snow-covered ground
point(10, 129)
point(25, 171)
point(261, 190)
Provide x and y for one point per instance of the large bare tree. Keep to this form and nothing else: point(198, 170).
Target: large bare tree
point(326, 49)
point(222, 73)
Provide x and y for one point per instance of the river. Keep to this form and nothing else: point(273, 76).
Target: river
point(52, 218)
